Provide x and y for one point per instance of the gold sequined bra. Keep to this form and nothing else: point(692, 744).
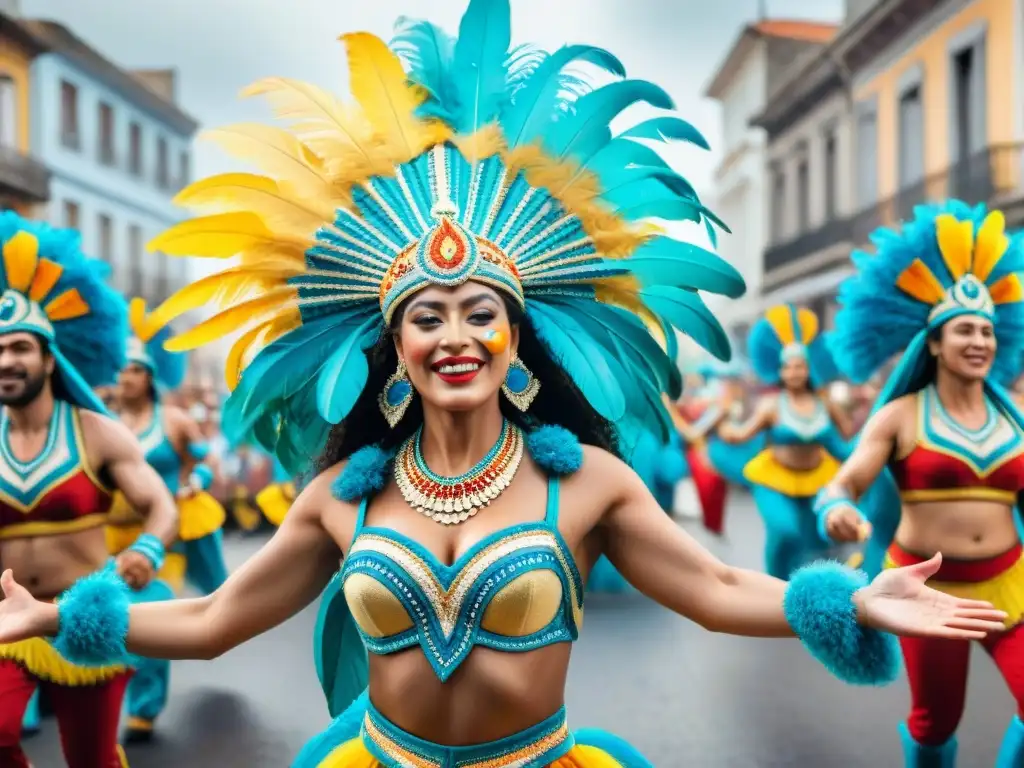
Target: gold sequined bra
point(516, 590)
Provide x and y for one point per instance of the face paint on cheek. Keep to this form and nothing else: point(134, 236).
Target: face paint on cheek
point(495, 341)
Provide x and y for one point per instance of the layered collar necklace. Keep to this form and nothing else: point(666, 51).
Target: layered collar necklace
point(453, 500)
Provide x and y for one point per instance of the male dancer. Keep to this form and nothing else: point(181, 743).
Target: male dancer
point(60, 456)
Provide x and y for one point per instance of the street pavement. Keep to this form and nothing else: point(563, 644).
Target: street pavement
point(683, 696)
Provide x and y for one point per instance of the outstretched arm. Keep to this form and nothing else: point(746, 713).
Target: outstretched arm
point(840, 417)
point(760, 420)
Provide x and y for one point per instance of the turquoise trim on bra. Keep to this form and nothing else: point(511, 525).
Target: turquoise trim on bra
point(983, 448)
point(26, 481)
point(159, 451)
point(447, 618)
point(792, 428)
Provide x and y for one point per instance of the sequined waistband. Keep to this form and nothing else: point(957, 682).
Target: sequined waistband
point(538, 746)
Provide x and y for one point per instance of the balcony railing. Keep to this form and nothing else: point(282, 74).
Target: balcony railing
point(994, 172)
point(23, 176)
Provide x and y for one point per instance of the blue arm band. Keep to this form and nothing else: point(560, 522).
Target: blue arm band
point(93, 620)
point(199, 451)
point(823, 504)
point(819, 607)
point(201, 477)
point(152, 548)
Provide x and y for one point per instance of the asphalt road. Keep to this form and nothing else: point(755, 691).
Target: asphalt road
point(683, 696)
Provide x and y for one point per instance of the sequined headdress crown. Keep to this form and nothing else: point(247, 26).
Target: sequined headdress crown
point(478, 161)
point(784, 332)
point(54, 291)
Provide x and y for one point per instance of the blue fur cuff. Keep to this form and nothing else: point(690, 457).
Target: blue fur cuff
point(822, 505)
point(555, 449)
point(93, 620)
point(819, 607)
point(366, 473)
point(201, 477)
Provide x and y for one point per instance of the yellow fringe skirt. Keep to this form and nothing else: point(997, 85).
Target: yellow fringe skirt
point(41, 659)
point(765, 470)
point(275, 501)
point(998, 580)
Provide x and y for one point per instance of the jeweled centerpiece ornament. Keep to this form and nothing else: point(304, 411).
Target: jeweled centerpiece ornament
point(453, 500)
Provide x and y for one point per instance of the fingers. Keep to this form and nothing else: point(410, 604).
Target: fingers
point(985, 614)
point(976, 625)
point(928, 568)
point(7, 582)
point(952, 633)
point(964, 604)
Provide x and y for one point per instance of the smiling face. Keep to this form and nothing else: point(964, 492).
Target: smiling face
point(457, 344)
point(25, 367)
point(966, 347)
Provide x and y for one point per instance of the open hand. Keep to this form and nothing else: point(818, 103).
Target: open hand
point(898, 601)
point(135, 568)
point(21, 615)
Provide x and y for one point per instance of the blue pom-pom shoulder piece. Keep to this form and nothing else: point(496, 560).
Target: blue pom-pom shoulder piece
point(365, 474)
point(93, 620)
point(555, 450)
point(819, 607)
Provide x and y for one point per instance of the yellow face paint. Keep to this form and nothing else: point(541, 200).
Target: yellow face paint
point(495, 341)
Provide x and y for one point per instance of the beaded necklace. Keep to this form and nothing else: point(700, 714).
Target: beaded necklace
point(453, 500)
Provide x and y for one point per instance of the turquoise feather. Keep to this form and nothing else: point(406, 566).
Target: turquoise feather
point(478, 64)
point(536, 102)
point(663, 261)
point(341, 662)
point(685, 310)
point(621, 153)
point(428, 51)
point(665, 128)
point(580, 356)
point(341, 379)
point(574, 134)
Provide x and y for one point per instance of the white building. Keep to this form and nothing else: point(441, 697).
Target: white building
point(742, 85)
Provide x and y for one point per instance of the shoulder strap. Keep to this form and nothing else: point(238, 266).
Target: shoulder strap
point(360, 517)
point(551, 513)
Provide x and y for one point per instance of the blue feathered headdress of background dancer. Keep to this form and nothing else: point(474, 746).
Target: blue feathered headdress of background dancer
point(786, 331)
point(51, 289)
point(146, 348)
point(950, 260)
point(477, 160)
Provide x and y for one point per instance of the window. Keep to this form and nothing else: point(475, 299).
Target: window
point(106, 134)
point(803, 194)
point(106, 247)
point(963, 84)
point(968, 96)
point(71, 214)
point(831, 178)
point(162, 289)
point(184, 169)
point(778, 205)
point(135, 149)
point(135, 256)
point(69, 135)
point(867, 159)
point(8, 112)
point(163, 180)
point(911, 137)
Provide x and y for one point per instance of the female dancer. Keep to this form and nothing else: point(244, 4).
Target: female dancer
point(480, 296)
point(173, 446)
point(944, 290)
point(803, 430)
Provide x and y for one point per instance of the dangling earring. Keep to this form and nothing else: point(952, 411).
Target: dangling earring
point(397, 394)
point(520, 385)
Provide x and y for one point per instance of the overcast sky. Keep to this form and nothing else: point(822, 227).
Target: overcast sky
point(220, 46)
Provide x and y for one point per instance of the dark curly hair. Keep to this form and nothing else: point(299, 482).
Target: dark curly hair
point(558, 402)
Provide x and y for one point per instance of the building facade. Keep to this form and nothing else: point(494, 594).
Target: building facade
point(118, 148)
point(24, 181)
point(922, 101)
point(742, 85)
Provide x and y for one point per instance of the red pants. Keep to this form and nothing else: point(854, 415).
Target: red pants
point(937, 669)
point(711, 489)
point(87, 716)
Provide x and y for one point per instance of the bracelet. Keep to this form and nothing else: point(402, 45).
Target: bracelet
point(92, 620)
point(819, 608)
point(152, 548)
point(201, 478)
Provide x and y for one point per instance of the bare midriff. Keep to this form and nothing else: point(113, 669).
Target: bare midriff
point(48, 565)
point(799, 458)
point(961, 529)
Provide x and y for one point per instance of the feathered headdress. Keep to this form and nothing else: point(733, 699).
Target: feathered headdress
point(146, 348)
point(50, 288)
point(478, 161)
point(950, 260)
point(786, 331)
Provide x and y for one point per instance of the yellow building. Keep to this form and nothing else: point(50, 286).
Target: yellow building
point(23, 181)
point(938, 110)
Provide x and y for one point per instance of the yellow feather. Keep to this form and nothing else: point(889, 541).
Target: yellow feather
point(243, 350)
point(780, 318)
point(47, 276)
point(21, 254)
point(67, 306)
point(262, 196)
point(808, 322)
point(990, 246)
point(222, 236)
point(1007, 290)
point(380, 85)
point(281, 154)
point(486, 142)
point(233, 319)
point(956, 243)
point(137, 320)
point(918, 282)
